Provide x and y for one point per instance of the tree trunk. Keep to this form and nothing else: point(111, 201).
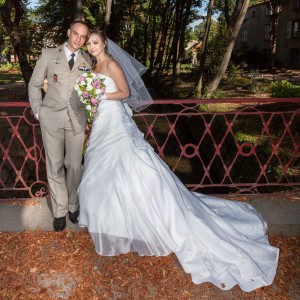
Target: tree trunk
point(228, 50)
point(78, 10)
point(182, 13)
point(199, 85)
point(163, 39)
point(13, 30)
point(153, 44)
point(107, 13)
point(275, 6)
point(176, 42)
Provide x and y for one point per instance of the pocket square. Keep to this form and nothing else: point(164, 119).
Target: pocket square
point(84, 68)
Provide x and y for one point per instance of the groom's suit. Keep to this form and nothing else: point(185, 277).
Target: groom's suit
point(62, 123)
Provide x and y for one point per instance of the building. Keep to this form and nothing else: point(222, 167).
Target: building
point(254, 34)
point(192, 50)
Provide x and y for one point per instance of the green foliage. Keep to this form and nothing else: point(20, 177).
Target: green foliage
point(284, 88)
point(254, 2)
point(54, 18)
point(7, 76)
point(215, 48)
point(234, 69)
point(9, 66)
point(249, 58)
point(217, 94)
point(243, 137)
point(28, 34)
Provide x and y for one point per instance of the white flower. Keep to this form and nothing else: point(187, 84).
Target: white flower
point(89, 80)
point(77, 89)
point(89, 87)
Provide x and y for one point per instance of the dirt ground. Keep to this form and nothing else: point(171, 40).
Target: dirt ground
point(37, 264)
point(49, 265)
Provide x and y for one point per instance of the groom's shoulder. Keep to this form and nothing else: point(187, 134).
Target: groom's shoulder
point(84, 53)
point(52, 50)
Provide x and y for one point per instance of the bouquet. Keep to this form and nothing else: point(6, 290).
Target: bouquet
point(89, 87)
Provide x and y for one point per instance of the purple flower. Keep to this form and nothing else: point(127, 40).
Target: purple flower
point(85, 94)
point(94, 101)
point(96, 84)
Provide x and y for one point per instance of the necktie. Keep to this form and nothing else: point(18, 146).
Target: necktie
point(71, 61)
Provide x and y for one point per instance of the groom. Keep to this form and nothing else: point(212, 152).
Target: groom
point(61, 119)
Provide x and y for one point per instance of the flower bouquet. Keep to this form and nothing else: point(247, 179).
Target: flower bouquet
point(89, 87)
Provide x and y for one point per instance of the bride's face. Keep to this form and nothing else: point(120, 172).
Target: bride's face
point(95, 45)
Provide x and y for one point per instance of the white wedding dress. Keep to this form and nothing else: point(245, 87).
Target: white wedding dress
point(131, 201)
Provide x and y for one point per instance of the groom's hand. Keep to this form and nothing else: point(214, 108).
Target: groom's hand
point(88, 127)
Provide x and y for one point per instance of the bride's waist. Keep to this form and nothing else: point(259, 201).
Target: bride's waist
point(110, 105)
point(104, 103)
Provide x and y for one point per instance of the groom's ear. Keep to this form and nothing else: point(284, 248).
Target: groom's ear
point(68, 32)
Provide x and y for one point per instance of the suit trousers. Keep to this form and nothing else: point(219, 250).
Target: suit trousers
point(63, 151)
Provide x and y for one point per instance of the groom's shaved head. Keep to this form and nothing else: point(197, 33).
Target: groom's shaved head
point(79, 22)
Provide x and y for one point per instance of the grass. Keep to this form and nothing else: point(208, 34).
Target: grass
point(10, 76)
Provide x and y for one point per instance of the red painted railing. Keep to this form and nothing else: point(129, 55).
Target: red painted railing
point(252, 147)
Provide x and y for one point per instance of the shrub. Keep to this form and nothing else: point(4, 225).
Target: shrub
point(284, 88)
point(9, 66)
point(217, 94)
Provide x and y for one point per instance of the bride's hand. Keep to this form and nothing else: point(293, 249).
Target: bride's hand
point(102, 97)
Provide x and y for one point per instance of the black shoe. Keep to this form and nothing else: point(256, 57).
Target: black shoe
point(59, 224)
point(73, 216)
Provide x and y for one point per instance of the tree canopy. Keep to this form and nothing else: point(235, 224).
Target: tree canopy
point(156, 32)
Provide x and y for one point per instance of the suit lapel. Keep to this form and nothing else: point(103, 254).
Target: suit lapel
point(80, 61)
point(62, 56)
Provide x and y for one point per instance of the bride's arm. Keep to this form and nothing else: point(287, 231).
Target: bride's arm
point(116, 73)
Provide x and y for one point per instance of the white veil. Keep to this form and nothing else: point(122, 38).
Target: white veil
point(139, 96)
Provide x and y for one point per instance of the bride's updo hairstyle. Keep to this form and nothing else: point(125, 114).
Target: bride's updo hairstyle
point(102, 37)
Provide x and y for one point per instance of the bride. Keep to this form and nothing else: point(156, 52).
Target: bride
point(131, 201)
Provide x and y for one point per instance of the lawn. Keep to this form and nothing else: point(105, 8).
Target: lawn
point(10, 76)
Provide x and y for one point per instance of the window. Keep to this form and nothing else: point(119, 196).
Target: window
point(254, 14)
point(267, 32)
point(295, 57)
point(244, 35)
point(296, 4)
point(295, 29)
point(288, 30)
point(267, 11)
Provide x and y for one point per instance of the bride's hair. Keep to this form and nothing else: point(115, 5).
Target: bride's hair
point(102, 37)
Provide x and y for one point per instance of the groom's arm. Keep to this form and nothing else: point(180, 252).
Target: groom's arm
point(36, 83)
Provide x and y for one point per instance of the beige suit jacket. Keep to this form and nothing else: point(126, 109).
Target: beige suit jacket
point(60, 98)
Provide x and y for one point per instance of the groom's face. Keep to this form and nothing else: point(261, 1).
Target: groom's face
point(77, 36)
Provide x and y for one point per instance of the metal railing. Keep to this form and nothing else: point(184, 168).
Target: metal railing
point(252, 146)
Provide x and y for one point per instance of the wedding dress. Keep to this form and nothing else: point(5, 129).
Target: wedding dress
point(131, 201)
